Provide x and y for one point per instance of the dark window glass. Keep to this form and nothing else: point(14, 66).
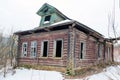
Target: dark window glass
point(45, 48)
point(58, 48)
point(47, 18)
point(81, 50)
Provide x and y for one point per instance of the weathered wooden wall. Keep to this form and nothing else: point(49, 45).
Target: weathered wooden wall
point(39, 37)
point(111, 55)
point(90, 56)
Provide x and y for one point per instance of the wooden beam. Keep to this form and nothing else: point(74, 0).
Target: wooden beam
point(113, 39)
point(47, 29)
point(32, 32)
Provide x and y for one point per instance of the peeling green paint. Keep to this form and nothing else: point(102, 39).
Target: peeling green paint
point(46, 10)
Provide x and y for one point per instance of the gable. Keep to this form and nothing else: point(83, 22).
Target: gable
point(51, 18)
point(45, 9)
point(50, 15)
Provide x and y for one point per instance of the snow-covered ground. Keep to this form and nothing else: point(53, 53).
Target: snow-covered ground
point(109, 73)
point(30, 74)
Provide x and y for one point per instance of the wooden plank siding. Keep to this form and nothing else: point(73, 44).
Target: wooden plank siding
point(50, 37)
point(75, 37)
point(90, 56)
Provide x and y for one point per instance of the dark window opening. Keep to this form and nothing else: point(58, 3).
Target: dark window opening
point(81, 50)
point(45, 48)
point(58, 48)
point(47, 18)
point(34, 51)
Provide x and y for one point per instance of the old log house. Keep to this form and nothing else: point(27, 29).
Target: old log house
point(61, 42)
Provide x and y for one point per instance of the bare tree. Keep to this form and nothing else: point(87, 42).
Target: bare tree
point(7, 51)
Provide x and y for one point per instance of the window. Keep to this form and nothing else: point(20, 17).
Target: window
point(44, 48)
point(58, 48)
point(108, 53)
point(99, 50)
point(47, 19)
point(33, 49)
point(82, 50)
point(24, 49)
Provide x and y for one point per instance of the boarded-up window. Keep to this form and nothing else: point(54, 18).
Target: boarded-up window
point(24, 49)
point(58, 48)
point(82, 50)
point(33, 49)
point(44, 49)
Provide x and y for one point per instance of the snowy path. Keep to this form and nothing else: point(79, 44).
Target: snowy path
point(26, 74)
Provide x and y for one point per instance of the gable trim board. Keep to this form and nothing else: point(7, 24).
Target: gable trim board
point(55, 10)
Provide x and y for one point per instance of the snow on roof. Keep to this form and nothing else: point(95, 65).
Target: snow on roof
point(54, 24)
point(61, 22)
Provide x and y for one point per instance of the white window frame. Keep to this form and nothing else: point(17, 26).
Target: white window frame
point(24, 53)
point(32, 46)
point(84, 50)
point(42, 46)
point(54, 51)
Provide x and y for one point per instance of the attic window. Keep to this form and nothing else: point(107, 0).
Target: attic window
point(47, 19)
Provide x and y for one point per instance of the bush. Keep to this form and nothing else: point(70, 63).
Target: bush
point(93, 68)
point(83, 71)
point(26, 66)
point(68, 71)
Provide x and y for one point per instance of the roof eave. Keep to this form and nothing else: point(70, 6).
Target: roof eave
point(94, 33)
point(89, 29)
point(52, 26)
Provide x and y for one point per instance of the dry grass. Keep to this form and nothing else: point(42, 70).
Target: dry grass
point(42, 67)
point(89, 70)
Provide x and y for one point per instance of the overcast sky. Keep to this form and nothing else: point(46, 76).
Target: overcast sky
point(19, 15)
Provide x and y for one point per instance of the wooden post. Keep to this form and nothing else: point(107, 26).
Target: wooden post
point(70, 65)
